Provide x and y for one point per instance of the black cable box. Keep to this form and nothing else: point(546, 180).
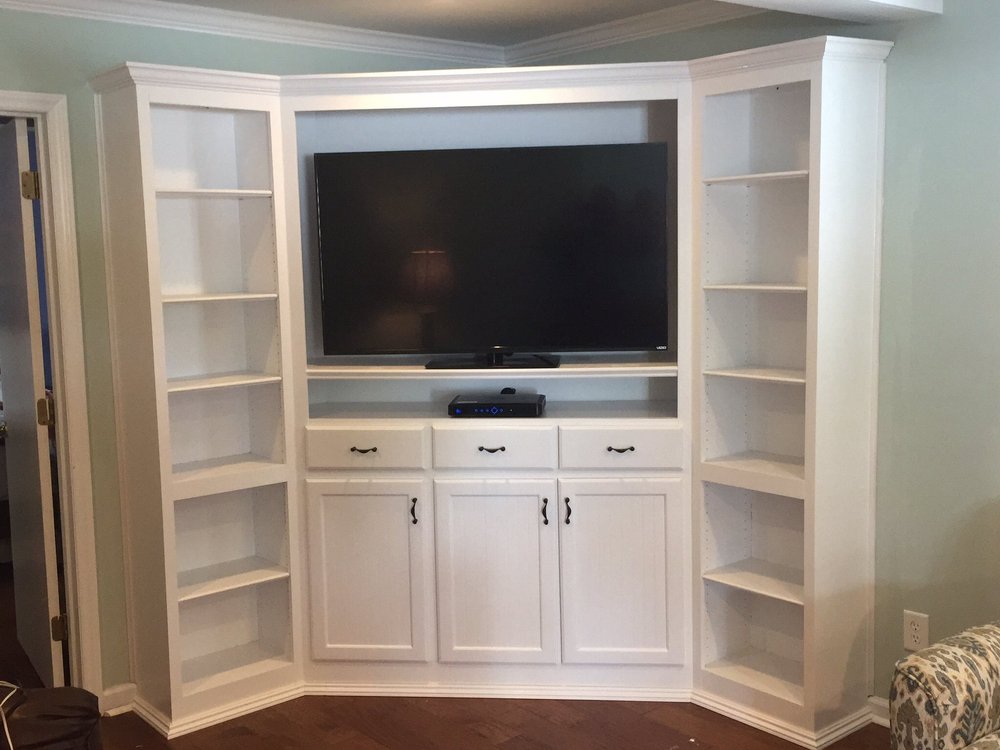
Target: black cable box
point(501, 405)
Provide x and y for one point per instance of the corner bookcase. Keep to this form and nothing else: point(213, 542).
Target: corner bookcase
point(696, 526)
point(200, 357)
point(787, 192)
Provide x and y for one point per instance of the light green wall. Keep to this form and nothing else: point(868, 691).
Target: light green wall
point(52, 54)
point(938, 515)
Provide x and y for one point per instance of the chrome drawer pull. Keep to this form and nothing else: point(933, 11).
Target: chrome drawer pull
point(621, 450)
point(355, 449)
point(502, 448)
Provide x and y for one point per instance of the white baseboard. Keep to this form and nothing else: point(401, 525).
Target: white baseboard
point(550, 692)
point(880, 710)
point(827, 736)
point(232, 711)
point(151, 716)
point(117, 699)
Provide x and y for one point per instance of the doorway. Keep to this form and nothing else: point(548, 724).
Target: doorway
point(55, 272)
point(33, 579)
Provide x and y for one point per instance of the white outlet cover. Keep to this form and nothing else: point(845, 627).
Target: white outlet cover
point(916, 630)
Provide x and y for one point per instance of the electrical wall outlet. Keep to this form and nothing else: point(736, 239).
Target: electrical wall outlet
point(916, 627)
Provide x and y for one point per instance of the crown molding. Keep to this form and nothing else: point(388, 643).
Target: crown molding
point(180, 17)
point(690, 15)
point(147, 74)
point(858, 11)
point(613, 82)
point(802, 51)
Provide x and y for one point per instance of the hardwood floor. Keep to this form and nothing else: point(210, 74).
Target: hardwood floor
point(14, 664)
point(317, 723)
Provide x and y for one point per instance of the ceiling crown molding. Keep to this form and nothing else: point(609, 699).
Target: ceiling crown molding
point(682, 17)
point(180, 17)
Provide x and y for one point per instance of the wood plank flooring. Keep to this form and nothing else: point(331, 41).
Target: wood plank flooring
point(15, 666)
point(317, 723)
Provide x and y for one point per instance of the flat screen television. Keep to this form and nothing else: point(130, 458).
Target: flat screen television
point(469, 252)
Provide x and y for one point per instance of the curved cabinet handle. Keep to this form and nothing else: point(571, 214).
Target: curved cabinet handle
point(356, 449)
point(620, 450)
point(501, 449)
point(569, 511)
point(413, 509)
point(545, 511)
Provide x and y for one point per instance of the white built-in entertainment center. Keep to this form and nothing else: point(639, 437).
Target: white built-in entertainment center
point(692, 526)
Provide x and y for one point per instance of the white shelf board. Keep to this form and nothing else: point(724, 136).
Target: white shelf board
point(563, 410)
point(761, 287)
point(227, 576)
point(761, 577)
point(226, 474)
point(763, 671)
point(211, 193)
point(411, 372)
point(229, 665)
point(762, 374)
point(173, 299)
point(754, 470)
point(221, 380)
point(757, 177)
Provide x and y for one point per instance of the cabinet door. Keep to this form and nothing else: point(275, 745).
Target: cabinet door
point(498, 579)
point(370, 545)
point(622, 587)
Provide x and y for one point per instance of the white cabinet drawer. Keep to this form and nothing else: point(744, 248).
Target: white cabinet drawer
point(463, 447)
point(366, 447)
point(626, 447)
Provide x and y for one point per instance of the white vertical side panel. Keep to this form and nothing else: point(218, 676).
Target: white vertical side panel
point(498, 577)
point(846, 309)
point(122, 126)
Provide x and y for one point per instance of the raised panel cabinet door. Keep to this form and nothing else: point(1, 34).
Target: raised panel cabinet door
point(370, 547)
point(497, 570)
point(622, 586)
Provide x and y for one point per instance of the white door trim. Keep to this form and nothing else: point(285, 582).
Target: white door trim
point(69, 378)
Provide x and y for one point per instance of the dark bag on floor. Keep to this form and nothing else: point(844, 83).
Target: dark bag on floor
point(49, 719)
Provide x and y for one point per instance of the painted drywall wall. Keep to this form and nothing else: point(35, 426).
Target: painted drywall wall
point(54, 54)
point(938, 478)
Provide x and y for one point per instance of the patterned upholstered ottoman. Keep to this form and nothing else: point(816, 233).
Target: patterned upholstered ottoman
point(947, 696)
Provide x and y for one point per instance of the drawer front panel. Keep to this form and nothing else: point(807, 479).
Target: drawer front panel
point(366, 448)
point(463, 447)
point(638, 447)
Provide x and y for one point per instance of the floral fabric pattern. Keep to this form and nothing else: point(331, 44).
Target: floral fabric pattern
point(947, 697)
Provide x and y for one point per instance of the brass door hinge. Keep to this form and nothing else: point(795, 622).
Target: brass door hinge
point(31, 185)
point(60, 628)
point(45, 411)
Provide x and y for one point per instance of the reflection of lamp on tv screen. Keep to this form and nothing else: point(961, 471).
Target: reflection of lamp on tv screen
point(427, 279)
point(536, 249)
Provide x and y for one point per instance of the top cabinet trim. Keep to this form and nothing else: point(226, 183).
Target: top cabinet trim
point(491, 86)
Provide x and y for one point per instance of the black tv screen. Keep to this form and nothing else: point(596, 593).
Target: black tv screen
point(538, 249)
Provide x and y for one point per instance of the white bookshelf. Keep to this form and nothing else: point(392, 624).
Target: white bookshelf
point(787, 165)
point(198, 273)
